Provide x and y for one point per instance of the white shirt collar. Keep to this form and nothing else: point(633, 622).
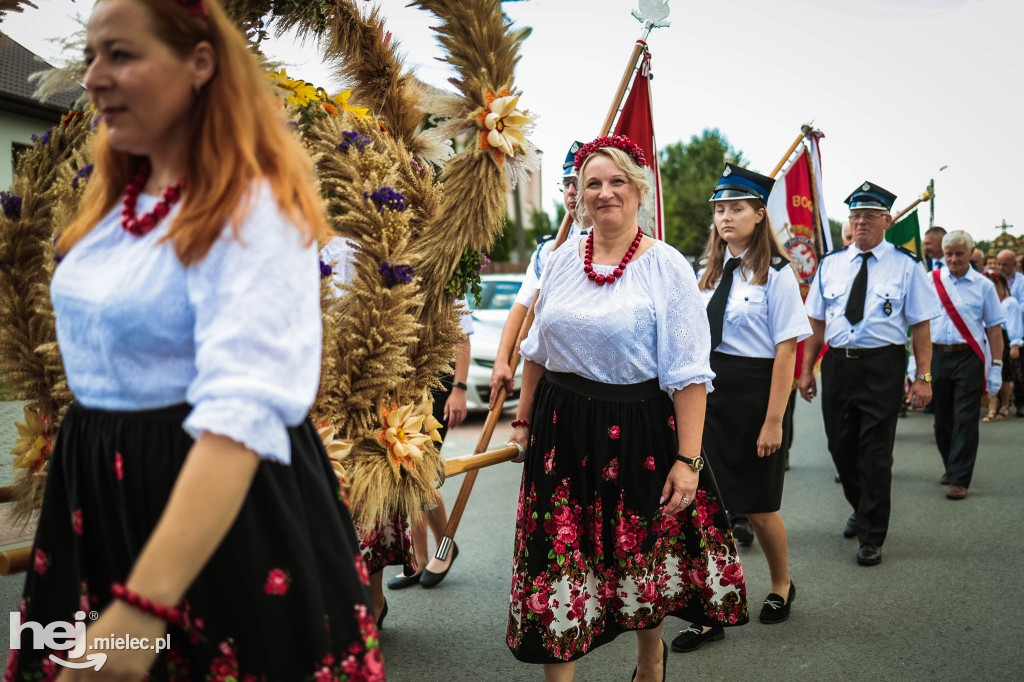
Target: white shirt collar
point(877, 250)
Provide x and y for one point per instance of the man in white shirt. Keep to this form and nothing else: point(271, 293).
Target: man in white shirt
point(970, 312)
point(501, 374)
point(932, 246)
point(1006, 261)
point(861, 302)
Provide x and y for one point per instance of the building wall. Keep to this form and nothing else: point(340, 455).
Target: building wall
point(16, 128)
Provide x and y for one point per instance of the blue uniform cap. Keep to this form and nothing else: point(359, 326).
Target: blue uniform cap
point(570, 159)
point(740, 183)
point(870, 195)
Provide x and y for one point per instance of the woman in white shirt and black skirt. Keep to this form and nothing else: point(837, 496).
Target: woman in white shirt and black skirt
point(189, 498)
point(618, 524)
point(757, 317)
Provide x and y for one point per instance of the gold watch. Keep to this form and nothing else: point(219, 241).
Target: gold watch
point(926, 377)
point(695, 463)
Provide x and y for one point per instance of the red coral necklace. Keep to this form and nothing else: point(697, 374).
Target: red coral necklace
point(147, 221)
point(588, 259)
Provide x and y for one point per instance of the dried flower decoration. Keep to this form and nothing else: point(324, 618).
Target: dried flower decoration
point(501, 125)
point(350, 139)
point(395, 274)
point(385, 197)
point(11, 204)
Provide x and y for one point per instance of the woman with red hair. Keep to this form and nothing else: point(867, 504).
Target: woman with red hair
point(189, 498)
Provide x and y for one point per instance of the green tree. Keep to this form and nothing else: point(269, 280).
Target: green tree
point(689, 172)
point(835, 228)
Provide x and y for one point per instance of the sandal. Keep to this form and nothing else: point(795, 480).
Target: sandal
point(1004, 411)
point(990, 417)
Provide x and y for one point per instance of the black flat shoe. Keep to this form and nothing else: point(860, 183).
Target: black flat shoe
point(742, 531)
point(400, 582)
point(869, 555)
point(664, 662)
point(850, 530)
point(694, 638)
point(383, 615)
point(430, 579)
point(775, 610)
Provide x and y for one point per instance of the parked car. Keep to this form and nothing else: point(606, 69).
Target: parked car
point(498, 295)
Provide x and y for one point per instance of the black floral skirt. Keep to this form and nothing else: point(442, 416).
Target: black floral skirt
point(593, 555)
point(283, 597)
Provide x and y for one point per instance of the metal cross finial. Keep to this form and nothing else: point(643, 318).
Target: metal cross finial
point(652, 14)
point(1004, 227)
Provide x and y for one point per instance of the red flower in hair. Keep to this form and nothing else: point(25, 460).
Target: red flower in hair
point(618, 141)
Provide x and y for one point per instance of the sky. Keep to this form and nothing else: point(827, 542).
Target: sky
point(900, 88)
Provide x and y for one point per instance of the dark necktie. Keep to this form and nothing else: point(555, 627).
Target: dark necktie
point(716, 306)
point(855, 304)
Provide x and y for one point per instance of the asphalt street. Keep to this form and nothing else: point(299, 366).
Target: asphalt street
point(941, 606)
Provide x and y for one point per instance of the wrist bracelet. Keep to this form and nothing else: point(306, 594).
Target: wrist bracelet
point(460, 384)
point(168, 614)
point(520, 422)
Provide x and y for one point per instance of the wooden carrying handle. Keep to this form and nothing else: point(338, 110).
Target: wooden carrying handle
point(15, 560)
point(460, 465)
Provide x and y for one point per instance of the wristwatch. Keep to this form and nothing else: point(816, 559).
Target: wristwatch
point(696, 463)
point(926, 377)
point(459, 384)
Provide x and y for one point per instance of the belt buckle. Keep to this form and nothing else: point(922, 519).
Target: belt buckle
point(851, 353)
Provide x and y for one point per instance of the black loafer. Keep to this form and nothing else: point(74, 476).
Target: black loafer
point(400, 582)
point(742, 531)
point(869, 555)
point(775, 609)
point(850, 530)
point(383, 614)
point(694, 637)
point(430, 579)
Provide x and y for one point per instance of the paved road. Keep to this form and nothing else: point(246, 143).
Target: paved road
point(941, 606)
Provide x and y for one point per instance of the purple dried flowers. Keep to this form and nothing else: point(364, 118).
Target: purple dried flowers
point(395, 274)
point(325, 270)
point(83, 174)
point(385, 197)
point(351, 138)
point(11, 204)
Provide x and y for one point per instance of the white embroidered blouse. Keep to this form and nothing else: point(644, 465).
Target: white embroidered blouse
point(237, 335)
point(650, 323)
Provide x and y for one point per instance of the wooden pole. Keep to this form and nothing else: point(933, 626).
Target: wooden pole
point(461, 465)
point(15, 560)
point(455, 517)
point(924, 197)
point(804, 130)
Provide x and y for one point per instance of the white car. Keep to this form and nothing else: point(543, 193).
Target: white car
point(499, 293)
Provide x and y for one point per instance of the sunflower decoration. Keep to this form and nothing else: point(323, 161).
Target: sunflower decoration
point(34, 443)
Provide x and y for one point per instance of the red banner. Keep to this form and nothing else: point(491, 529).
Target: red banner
point(636, 121)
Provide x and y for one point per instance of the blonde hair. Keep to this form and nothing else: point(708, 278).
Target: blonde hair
point(624, 162)
point(238, 137)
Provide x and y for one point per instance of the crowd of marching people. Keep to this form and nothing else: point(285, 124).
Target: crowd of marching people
point(189, 491)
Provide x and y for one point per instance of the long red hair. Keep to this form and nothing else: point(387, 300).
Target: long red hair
point(237, 138)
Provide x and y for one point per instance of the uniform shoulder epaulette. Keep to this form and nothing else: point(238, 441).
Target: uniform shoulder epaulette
point(904, 250)
point(778, 262)
point(546, 238)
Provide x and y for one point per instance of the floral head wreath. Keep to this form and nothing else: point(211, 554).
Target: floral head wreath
point(618, 141)
point(195, 7)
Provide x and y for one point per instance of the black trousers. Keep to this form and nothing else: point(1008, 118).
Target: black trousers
point(860, 400)
point(958, 381)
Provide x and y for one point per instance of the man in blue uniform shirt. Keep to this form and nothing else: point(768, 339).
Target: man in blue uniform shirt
point(970, 321)
point(861, 302)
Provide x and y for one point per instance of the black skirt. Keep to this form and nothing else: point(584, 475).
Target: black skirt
point(735, 414)
point(284, 595)
point(593, 555)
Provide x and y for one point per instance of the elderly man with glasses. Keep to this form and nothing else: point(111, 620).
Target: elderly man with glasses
point(861, 302)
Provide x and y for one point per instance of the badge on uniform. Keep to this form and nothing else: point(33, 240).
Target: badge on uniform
point(887, 307)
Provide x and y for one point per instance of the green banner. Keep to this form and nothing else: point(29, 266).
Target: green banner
point(906, 233)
